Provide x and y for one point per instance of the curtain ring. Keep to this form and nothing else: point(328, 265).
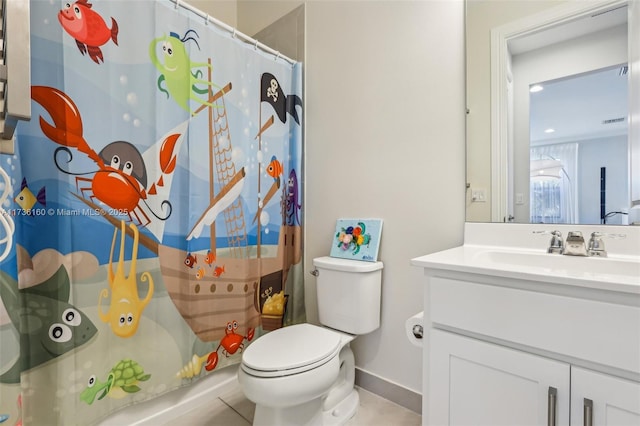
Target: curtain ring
point(255, 46)
point(206, 19)
point(177, 3)
point(277, 55)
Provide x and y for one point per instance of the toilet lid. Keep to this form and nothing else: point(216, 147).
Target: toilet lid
point(288, 350)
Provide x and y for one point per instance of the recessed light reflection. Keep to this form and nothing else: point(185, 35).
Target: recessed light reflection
point(549, 130)
point(536, 88)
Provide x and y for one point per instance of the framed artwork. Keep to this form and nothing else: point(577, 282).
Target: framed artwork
point(357, 239)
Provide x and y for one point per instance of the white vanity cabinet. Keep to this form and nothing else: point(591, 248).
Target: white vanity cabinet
point(507, 349)
point(477, 383)
point(514, 335)
point(606, 399)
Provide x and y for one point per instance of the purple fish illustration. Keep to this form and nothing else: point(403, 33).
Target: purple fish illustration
point(292, 202)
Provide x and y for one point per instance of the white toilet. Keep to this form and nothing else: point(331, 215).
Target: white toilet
point(304, 374)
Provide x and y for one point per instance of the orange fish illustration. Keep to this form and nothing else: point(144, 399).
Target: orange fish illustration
point(200, 273)
point(190, 260)
point(218, 271)
point(210, 258)
point(274, 169)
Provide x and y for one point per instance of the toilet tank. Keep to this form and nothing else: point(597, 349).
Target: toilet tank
point(348, 294)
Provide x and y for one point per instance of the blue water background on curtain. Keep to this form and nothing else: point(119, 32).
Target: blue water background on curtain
point(64, 246)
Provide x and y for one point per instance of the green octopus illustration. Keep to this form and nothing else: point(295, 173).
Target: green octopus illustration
point(122, 379)
point(181, 75)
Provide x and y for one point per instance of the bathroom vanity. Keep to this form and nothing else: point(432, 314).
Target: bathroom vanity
point(514, 335)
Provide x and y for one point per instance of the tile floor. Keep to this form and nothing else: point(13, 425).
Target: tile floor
point(233, 409)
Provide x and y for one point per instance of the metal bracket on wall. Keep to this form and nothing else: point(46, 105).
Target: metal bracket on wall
point(15, 70)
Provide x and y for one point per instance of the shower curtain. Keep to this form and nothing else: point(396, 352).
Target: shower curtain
point(155, 207)
point(555, 200)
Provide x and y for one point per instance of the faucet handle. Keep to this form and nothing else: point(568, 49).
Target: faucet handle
point(596, 243)
point(596, 239)
point(556, 245)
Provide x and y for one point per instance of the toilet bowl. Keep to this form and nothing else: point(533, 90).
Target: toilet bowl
point(304, 374)
point(300, 375)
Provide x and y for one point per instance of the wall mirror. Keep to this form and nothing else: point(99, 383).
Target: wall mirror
point(550, 119)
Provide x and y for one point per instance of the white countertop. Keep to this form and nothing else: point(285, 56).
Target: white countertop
point(515, 251)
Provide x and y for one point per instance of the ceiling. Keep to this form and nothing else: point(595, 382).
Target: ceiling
point(568, 30)
point(586, 106)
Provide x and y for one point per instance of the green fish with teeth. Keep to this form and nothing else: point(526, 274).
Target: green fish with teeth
point(48, 325)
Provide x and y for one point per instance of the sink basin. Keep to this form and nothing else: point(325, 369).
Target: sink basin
point(575, 266)
point(615, 273)
point(510, 251)
point(565, 264)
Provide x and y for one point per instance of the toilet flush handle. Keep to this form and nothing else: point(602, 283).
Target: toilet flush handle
point(418, 331)
point(315, 272)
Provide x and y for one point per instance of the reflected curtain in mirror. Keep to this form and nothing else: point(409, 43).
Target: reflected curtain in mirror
point(553, 177)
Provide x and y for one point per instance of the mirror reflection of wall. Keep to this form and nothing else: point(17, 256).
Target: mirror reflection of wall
point(560, 63)
point(513, 44)
point(481, 17)
point(580, 122)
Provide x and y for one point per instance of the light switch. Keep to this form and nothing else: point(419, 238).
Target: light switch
point(478, 195)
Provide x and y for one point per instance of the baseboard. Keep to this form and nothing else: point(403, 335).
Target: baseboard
point(389, 390)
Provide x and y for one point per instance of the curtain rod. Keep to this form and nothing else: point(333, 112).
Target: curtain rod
point(234, 32)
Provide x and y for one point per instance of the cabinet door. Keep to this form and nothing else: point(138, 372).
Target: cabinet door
point(478, 383)
point(603, 400)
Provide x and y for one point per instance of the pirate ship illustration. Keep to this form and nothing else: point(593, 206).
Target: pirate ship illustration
point(249, 275)
point(241, 282)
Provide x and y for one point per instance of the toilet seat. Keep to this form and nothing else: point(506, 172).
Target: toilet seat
point(291, 350)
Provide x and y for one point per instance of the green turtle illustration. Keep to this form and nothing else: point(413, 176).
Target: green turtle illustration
point(123, 378)
point(48, 325)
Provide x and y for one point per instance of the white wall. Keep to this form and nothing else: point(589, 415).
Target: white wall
point(222, 10)
point(384, 137)
point(255, 15)
point(384, 101)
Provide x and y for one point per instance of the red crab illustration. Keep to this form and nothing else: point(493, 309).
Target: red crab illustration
point(121, 179)
point(230, 344)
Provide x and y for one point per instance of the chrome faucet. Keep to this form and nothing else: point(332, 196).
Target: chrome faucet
point(574, 245)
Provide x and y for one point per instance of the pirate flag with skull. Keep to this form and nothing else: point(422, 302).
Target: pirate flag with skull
point(271, 92)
